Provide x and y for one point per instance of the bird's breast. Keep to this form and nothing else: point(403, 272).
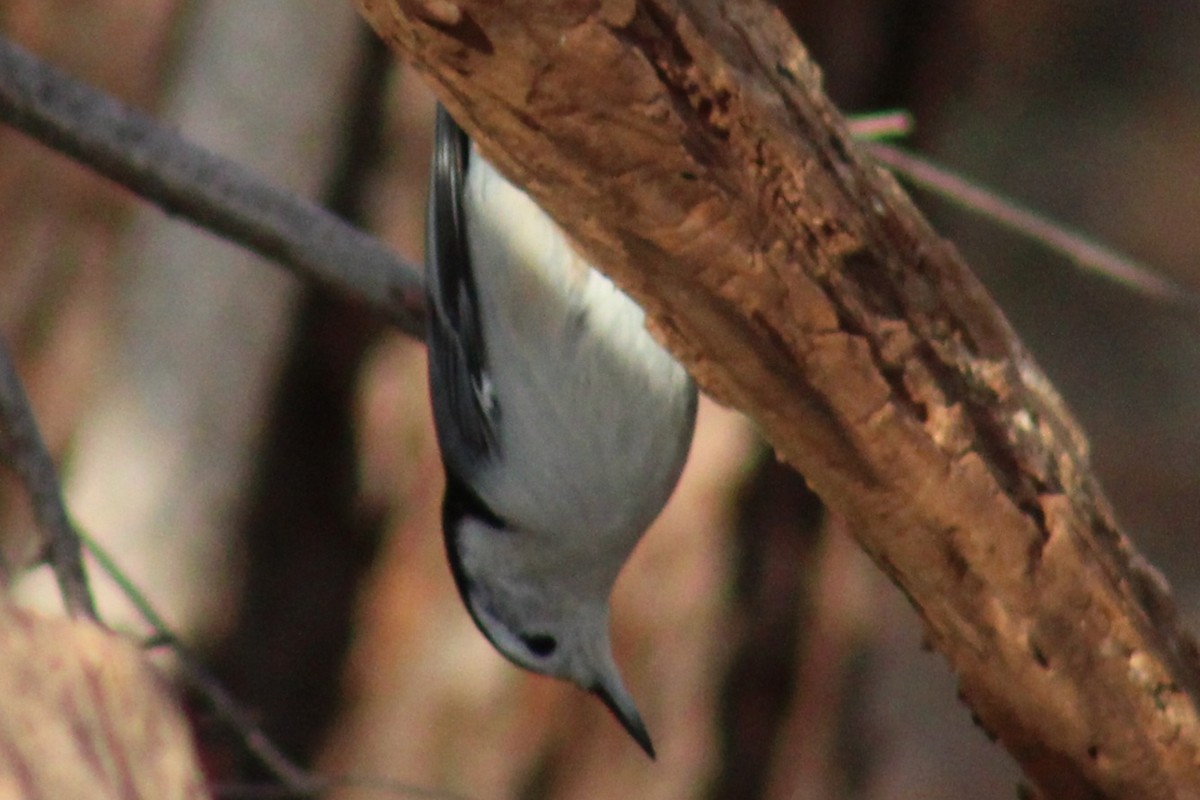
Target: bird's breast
point(595, 412)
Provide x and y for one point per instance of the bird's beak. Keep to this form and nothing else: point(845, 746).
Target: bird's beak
point(620, 703)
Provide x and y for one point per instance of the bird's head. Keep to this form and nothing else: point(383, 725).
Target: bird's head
point(541, 616)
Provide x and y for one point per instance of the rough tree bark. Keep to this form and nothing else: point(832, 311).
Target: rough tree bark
point(688, 147)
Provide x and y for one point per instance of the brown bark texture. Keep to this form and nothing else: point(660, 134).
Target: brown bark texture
point(689, 149)
point(84, 715)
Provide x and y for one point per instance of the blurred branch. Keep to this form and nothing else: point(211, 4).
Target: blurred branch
point(229, 200)
point(293, 777)
point(879, 125)
point(1084, 251)
point(294, 780)
point(379, 787)
point(219, 195)
point(223, 197)
point(799, 285)
point(22, 447)
point(688, 148)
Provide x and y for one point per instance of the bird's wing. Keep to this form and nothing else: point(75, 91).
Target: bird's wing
point(464, 406)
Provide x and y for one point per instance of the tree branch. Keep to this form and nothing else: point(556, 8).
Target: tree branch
point(689, 149)
point(213, 192)
point(22, 447)
point(1082, 250)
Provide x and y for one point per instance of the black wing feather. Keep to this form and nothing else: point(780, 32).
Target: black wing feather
point(464, 409)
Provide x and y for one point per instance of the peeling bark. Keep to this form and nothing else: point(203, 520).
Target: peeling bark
point(689, 149)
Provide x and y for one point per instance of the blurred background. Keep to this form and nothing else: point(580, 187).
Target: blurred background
point(259, 455)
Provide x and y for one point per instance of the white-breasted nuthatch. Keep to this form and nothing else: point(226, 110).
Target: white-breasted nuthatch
point(563, 424)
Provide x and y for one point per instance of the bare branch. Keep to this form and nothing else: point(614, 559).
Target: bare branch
point(706, 171)
point(380, 787)
point(688, 148)
point(293, 778)
point(21, 445)
point(1084, 251)
point(223, 197)
point(212, 192)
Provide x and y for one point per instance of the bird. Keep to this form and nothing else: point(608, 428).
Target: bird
point(563, 425)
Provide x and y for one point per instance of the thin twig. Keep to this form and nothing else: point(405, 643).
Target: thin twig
point(376, 786)
point(888, 124)
point(1082, 250)
point(22, 446)
point(295, 778)
point(133, 150)
point(223, 197)
point(295, 781)
point(215, 193)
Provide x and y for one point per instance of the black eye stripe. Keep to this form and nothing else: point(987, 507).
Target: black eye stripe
point(540, 644)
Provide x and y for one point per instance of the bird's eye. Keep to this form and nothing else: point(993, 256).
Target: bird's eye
point(540, 644)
